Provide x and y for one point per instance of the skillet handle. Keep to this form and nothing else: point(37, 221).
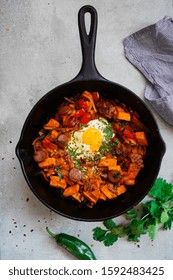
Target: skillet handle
point(88, 40)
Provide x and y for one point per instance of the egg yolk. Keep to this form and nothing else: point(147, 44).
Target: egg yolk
point(92, 137)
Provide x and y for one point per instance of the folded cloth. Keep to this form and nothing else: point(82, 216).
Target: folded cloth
point(151, 51)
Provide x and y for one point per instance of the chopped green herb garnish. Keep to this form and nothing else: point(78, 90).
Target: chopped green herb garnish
point(103, 121)
point(107, 147)
point(73, 154)
point(108, 131)
point(58, 172)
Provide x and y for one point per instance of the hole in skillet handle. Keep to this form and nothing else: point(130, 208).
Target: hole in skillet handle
point(87, 22)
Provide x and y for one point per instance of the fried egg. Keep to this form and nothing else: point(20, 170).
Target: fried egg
point(85, 143)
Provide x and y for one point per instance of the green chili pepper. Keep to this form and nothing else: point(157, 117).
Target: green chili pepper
point(73, 245)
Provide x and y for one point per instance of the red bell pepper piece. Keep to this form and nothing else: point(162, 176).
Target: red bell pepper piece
point(86, 118)
point(135, 119)
point(129, 134)
point(83, 104)
point(79, 113)
point(48, 144)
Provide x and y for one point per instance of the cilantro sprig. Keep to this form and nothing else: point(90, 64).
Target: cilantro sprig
point(148, 218)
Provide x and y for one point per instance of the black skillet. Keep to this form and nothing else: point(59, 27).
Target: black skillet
point(88, 79)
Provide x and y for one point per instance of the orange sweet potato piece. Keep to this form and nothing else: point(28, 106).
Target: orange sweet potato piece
point(71, 190)
point(141, 137)
point(133, 170)
point(129, 178)
point(57, 182)
point(124, 116)
point(96, 192)
point(48, 162)
point(128, 181)
point(90, 196)
point(78, 196)
point(103, 196)
point(115, 167)
point(52, 124)
point(120, 189)
point(107, 192)
point(107, 162)
point(54, 134)
point(119, 108)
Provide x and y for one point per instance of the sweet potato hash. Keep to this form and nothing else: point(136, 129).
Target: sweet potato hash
point(92, 149)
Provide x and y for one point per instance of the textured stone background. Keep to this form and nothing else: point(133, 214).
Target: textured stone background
point(40, 49)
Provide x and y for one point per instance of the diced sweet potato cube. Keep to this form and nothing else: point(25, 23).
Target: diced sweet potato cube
point(96, 193)
point(54, 134)
point(107, 162)
point(120, 189)
point(124, 116)
point(47, 163)
point(103, 196)
point(52, 124)
point(57, 182)
point(71, 190)
point(141, 137)
point(109, 194)
point(119, 108)
point(128, 181)
point(103, 162)
point(90, 196)
point(133, 170)
point(115, 167)
point(78, 197)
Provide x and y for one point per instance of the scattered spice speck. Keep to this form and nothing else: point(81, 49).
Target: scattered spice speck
point(24, 234)
point(31, 230)
point(10, 141)
point(27, 199)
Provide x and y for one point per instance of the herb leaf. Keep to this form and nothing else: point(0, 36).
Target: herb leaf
point(161, 190)
point(110, 239)
point(109, 224)
point(99, 234)
point(131, 214)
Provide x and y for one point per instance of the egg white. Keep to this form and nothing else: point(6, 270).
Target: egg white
point(82, 150)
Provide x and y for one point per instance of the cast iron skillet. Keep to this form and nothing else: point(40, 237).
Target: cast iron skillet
point(88, 79)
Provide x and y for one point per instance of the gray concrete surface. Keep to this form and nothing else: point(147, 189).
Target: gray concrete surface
point(40, 49)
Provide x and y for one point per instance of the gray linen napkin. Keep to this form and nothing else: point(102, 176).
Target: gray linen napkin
point(151, 51)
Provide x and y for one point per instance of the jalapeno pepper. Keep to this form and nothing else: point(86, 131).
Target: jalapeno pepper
point(73, 245)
